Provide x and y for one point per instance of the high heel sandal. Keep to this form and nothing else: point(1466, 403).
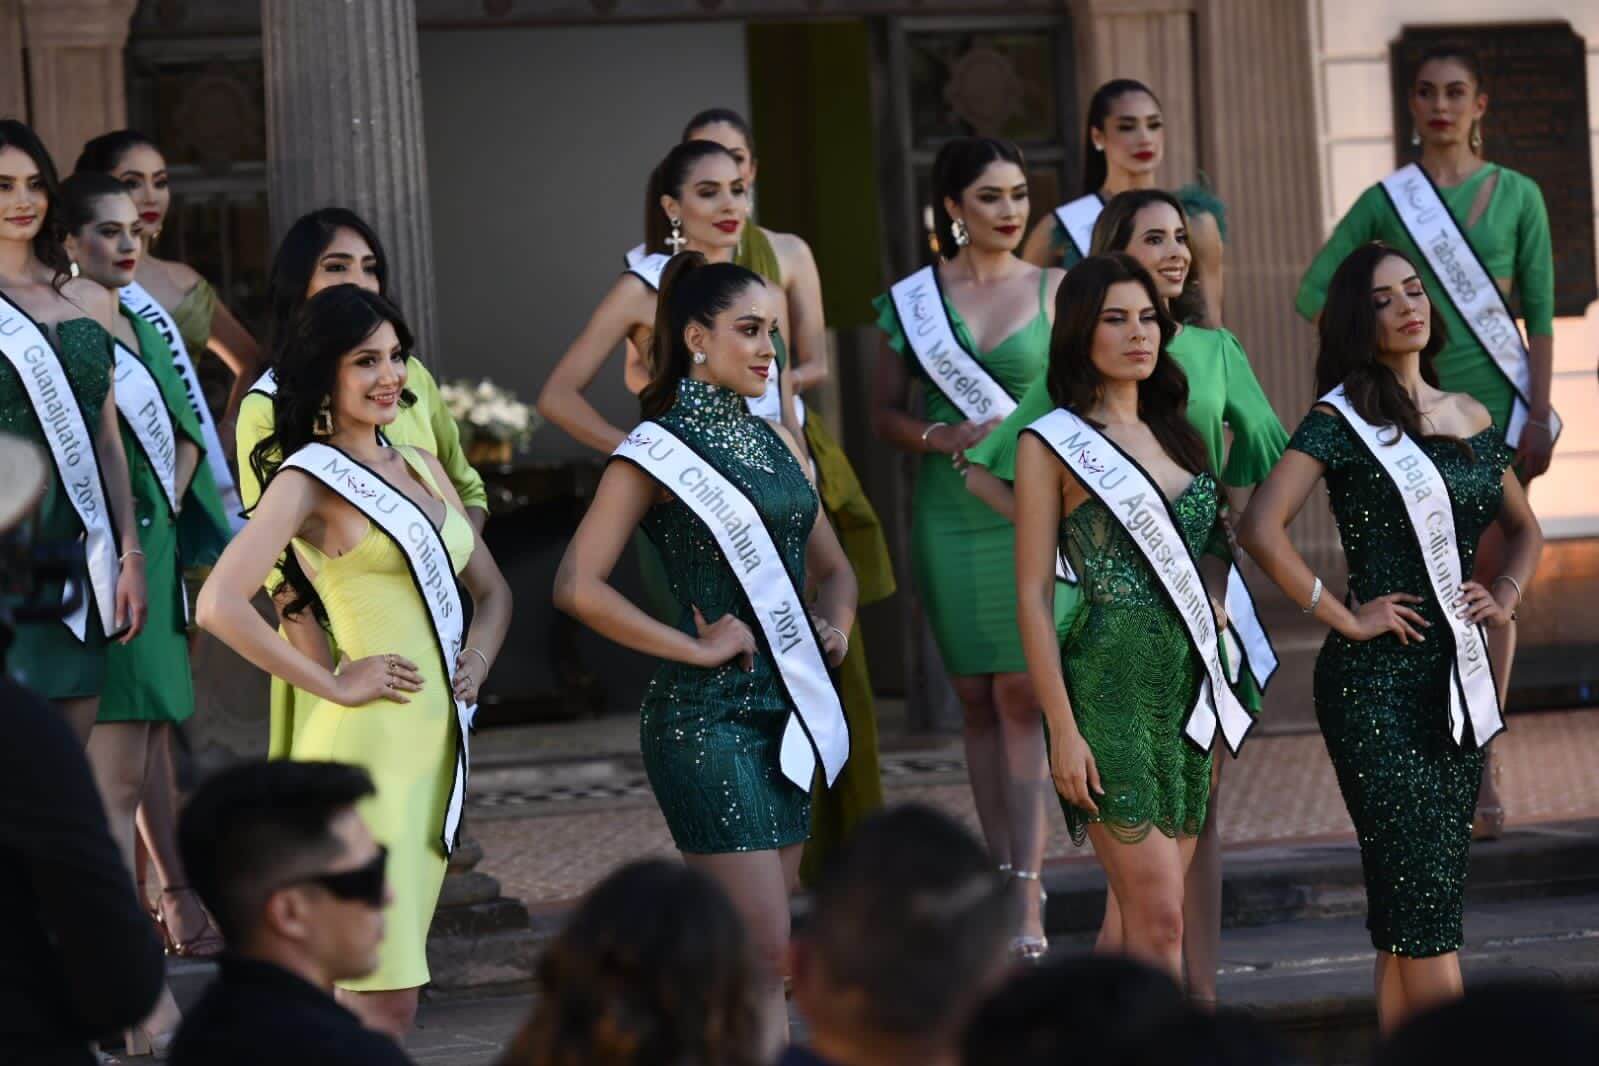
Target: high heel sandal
point(1031, 948)
point(206, 943)
point(141, 1043)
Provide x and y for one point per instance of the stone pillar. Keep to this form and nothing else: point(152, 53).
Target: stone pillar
point(344, 127)
point(13, 90)
point(75, 79)
point(1153, 41)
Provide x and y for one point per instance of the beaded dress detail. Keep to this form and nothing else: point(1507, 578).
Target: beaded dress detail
point(1132, 674)
point(711, 737)
point(1383, 706)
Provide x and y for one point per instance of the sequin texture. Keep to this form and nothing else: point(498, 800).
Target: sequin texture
point(1383, 706)
point(711, 737)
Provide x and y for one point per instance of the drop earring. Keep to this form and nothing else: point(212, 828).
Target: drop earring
point(72, 268)
point(1415, 137)
point(1476, 137)
point(675, 239)
point(322, 426)
point(962, 235)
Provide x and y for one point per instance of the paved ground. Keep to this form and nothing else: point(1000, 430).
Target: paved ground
point(556, 807)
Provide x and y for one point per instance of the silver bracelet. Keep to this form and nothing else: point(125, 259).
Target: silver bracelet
point(1513, 584)
point(1315, 597)
point(480, 655)
point(841, 635)
point(928, 432)
point(131, 551)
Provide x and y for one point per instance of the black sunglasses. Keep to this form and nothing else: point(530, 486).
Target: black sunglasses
point(364, 884)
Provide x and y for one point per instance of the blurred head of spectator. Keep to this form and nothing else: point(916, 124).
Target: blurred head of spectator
point(1194, 1037)
point(653, 968)
point(280, 856)
point(1528, 1021)
point(1079, 1009)
point(907, 934)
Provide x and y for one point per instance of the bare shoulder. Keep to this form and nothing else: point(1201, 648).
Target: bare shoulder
point(1326, 409)
point(181, 276)
point(791, 249)
point(1472, 413)
point(93, 299)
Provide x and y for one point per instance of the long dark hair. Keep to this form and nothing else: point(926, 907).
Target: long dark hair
point(959, 163)
point(1457, 52)
point(667, 180)
point(653, 969)
point(713, 116)
point(1074, 381)
point(333, 322)
point(47, 246)
point(102, 154)
point(79, 194)
point(1095, 169)
point(1348, 352)
point(296, 259)
point(1113, 232)
point(692, 290)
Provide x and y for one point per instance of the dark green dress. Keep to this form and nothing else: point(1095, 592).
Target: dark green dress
point(1132, 674)
point(149, 680)
point(711, 737)
point(45, 656)
point(1383, 707)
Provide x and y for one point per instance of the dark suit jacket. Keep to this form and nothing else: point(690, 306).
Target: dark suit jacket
point(79, 957)
point(259, 1014)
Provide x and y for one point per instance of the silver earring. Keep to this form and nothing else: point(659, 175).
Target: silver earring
point(1099, 148)
point(1476, 137)
point(72, 268)
point(962, 235)
point(1415, 138)
point(699, 358)
point(675, 239)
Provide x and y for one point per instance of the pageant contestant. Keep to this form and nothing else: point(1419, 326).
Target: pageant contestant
point(374, 537)
point(971, 334)
point(327, 247)
point(1124, 144)
point(735, 726)
point(1224, 399)
point(1404, 691)
point(56, 390)
point(785, 261)
point(1475, 230)
point(1118, 481)
point(175, 299)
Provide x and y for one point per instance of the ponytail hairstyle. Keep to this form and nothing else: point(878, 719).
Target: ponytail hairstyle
point(1073, 380)
point(1113, 232)
point(1094, 168)
point(296, 259)
point(104, 153)
point(79, 195)
point(1348, 352)
point(47, 247)
point(959, 163)
point(667, 179)
point(692, 290)
point(332, 323)
point(721, 116)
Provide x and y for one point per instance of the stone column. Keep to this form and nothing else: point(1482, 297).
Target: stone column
point(13, 90)
point(75, 79)
point(344, 127)
point(1153, 41)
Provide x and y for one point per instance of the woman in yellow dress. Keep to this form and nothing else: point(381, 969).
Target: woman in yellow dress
point(391, 704)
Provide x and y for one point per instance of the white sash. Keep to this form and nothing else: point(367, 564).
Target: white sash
point(1246, 638)
point(1432, 519)
point(409, 527)
point(817, 729)
point(72, 447)
point(1467, 284)
point(266, 384)
point(136, 299)
point(647, 266)
point(1133, 498)
point(965, 382)
point(144, 411)
point(1077, 218)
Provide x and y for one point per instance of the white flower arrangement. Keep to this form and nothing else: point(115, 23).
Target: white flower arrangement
point(489, 412)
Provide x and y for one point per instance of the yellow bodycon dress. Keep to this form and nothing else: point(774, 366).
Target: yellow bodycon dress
point(374, 608)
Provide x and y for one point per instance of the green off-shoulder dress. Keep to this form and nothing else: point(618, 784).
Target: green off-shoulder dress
point(1223, 396)
point(1133, 675)
point(148, 679)
point(1384, 706)
point(45, 656)
point(711, 737)
point(963, 553)
point(1512, 236)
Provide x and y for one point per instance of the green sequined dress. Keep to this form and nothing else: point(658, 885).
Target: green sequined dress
point(711, 737)
point(1133, 675)
point(45, 656)
point(1383, 706)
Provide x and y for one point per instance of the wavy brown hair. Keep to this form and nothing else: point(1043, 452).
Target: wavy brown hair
point(1113, 232)
point(1348, 352)
point(654, 969)
point(1073, 379)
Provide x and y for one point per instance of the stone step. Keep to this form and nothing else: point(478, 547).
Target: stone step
point(1284, 883)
